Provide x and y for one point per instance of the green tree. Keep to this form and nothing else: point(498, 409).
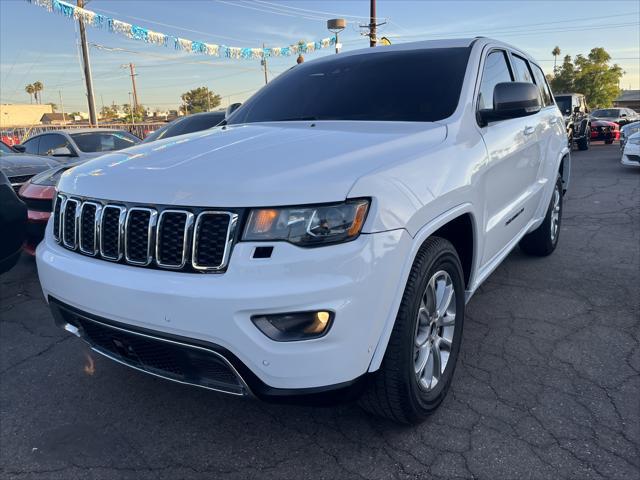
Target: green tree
point(30, 90)
point(555, 52)
point(37, 88)
point(592, 76)
point(596, 79)
point(138, 113)
point(109, 112)
point(199, 99)
point(54, 107)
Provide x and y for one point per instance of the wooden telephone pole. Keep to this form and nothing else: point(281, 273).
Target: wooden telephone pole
point(373, 26)
point(132, 69)
point(87, 70)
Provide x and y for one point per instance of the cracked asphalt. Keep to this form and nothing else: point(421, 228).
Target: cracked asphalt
point(547, 386)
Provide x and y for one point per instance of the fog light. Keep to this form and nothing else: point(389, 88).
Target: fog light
point(287, 327)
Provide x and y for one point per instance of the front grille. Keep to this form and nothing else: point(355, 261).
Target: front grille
point(38, 204)
point(165, 358)
point(634, 158)
point(192, 240)
point(19, 180)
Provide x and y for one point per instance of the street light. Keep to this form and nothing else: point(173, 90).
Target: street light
point(336, 25)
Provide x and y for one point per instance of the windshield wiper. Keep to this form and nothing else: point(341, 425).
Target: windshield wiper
point(293, 119)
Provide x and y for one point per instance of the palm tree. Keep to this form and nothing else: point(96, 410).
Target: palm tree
point(38, 87)
point(555, 52)
point(30, 90)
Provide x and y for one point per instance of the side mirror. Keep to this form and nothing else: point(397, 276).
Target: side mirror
point(623, 115)
point(576, 109)
point(20, 148)
point(512, 100)
point(230, 109)
point(62, 152)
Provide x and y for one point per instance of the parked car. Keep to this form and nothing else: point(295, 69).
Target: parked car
point(13, 220)
point(187, 124)
point(575, 112)
point(631, 152)
point(71, 147)
point(19, 168)
point(604, 130)
point(77, 144)
point(626, 131)
point(321, 246)
point(621, 116)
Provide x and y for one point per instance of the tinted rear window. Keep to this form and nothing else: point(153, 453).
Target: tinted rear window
point(607, 112)
point(414, 86)
point(104, 141)
point(186, 125)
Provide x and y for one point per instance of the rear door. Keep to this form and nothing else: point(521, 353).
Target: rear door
point(514, 160)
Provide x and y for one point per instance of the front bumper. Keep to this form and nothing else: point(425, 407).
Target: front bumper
point(357, 280)
point(631, 155)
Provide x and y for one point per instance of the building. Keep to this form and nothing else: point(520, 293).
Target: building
point(628, 99)
point(21, 115)
point(55, 119)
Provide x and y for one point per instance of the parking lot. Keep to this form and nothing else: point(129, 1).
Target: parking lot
point(547, 386)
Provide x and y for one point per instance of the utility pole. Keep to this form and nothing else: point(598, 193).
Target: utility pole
point(131, 109)
point(64, 119)
point(132, 69)
point(372, 24)
point(264, 64)
point(87, 70)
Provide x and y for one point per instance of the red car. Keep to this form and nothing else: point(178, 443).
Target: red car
point(604, 130)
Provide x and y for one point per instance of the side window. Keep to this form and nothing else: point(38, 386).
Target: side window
point(521, 67)
point(31, 146)
point(496, 70)
point(547, 99)
point(50, 142)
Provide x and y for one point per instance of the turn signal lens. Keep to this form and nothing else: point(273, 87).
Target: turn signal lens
point(263, 220)
point(288, 327)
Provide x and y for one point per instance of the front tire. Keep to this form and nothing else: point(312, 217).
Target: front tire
point(585, 142)
point(544, 239)
point(421, 356)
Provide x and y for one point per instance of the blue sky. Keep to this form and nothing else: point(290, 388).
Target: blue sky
point(38, 45)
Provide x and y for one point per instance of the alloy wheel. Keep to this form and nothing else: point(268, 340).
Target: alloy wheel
point(435, 326)
point(555, 214)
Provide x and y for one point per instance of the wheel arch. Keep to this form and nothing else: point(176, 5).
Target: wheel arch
point(458, 225)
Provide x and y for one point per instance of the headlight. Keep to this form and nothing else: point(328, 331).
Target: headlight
point(49, 178)
point(308, 226)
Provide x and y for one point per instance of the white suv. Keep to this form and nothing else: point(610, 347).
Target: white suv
point(323, 243)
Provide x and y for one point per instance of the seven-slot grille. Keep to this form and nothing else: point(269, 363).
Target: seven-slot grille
point(175, 239)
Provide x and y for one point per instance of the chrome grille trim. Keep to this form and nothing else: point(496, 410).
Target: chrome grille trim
point(153, 217)
point(96, 228)
point(185, 239)
point(233, 222)
point(122, 214)
point(63, 216)
point(59, 203)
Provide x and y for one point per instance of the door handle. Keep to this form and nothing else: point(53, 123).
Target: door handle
point(529, 130)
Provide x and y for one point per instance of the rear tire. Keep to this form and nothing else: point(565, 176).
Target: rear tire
point(421, 356)
point(544, 239)
point(584, 142)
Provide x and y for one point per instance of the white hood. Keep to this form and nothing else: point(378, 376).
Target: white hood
point(266, 164)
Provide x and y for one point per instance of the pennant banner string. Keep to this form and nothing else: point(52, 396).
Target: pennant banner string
point(136, 32)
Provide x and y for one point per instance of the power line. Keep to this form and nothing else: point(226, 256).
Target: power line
point(263, 10)
point(333, 14)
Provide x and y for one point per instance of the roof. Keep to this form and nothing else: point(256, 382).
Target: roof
point(54, 116)
point(628, 96)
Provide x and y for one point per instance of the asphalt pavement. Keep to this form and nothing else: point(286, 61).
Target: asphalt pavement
point(547, 386)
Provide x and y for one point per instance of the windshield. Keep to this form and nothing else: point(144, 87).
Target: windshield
point(564, 104)
point(606, 112)
point(5, 148)
point(412, 86)
point(104, 141)
point(193, 123)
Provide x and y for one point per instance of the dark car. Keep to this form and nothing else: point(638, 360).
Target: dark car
point(13, 223)
point(604, 130)
point(188, 124)
point(573, 107)
point(19, 168)
point(621, 116)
